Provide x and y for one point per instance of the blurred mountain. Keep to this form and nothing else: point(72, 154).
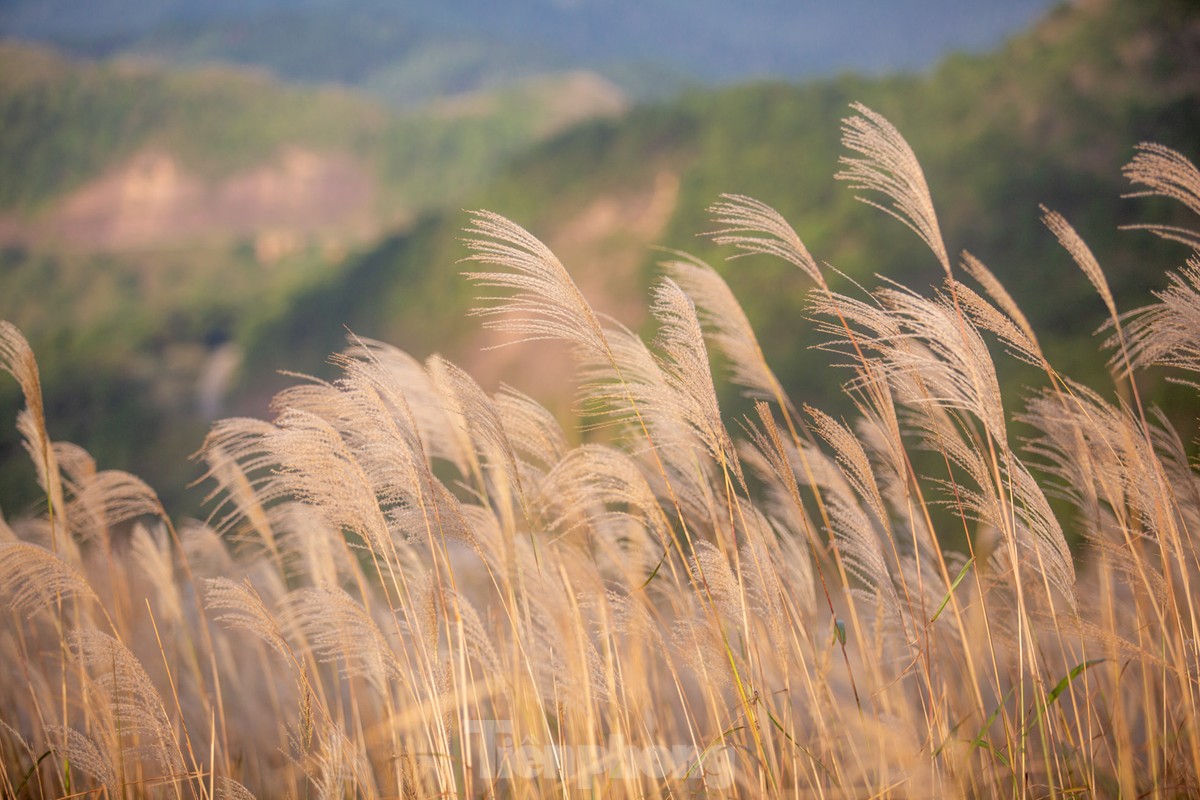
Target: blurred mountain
point(408, 52)
point(149, 213)
point(68, 122)
point(1050, 117)
point(143, 341)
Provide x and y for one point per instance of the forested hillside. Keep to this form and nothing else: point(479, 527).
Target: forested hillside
point(149, 214)
point(464, 477)
point(1049, 119)
point(67, 121)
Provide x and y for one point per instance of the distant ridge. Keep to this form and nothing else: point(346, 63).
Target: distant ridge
point(1050, 117)
point(411, 52)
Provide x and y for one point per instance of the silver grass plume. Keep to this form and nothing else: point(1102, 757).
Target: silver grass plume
point(239, 606)
point(985, 316)
point(19, 742)
point(633, 616)
point(338, 629)
point(621, 380)
point(597, 478)
point(640, 390)
point(729, 329)
point(643, 397)
point(698, 642)
point(599, 494)
point(711, 570)
point(1082, 469)
point(1099, 452)
point(547, 304)
point(775, 462)
point(341, 768)
point(311, 547)
point(1166, 173)
point(1039, 533)
point(879, 432)
point(109, 498)
point(482, 418)
point(1167, 333)
point(204, 550)
point(155, 560)
point(74, 462)
point(930, 353)
point(229, 789)
point(856, 466)
point(17, 359)
point(863, 557)
point(136, 704)
point(1073, 243)
point(438, 370)
point(532, 430)
point(1028, 342)
point(83, 753)
point(477, 635)
point(685, 363)
point(375, 420)
point(313, 395)
point(56, 529)
point(32, 578)
point(319, 468)
point(423, 610)
point(436, 424)
point(854, 534)
point(848, 323)
point(242, 467)
point(786, 516)
point(754, 227)
point(888, 166)
point(776, 574)
point(950, 358)
point(1024, 510)
point(1070, 239)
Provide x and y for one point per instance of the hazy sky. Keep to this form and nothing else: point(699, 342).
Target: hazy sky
point(704, 39)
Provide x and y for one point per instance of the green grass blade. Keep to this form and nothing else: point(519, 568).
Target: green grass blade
point(980, 741)
point(1062, 685)
point(32, 770)
point(962, 573)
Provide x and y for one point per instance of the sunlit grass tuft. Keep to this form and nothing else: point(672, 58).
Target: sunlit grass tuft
point(409, 587)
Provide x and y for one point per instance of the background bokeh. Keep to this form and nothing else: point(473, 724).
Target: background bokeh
point(194, 197)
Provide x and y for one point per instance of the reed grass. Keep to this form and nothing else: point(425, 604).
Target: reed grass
point(409, 587)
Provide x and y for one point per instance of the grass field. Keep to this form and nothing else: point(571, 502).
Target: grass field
point(409, 587)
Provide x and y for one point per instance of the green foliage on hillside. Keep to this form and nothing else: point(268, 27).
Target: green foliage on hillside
point(65, 122)
point(1049, 119)
point(126, 337)
point(105, 319)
